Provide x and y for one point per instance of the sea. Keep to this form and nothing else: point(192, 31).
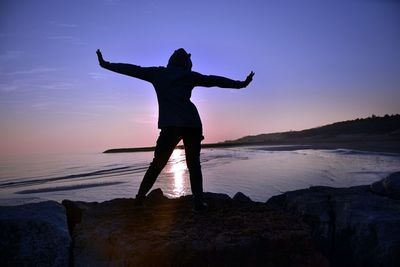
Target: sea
point(259, 172)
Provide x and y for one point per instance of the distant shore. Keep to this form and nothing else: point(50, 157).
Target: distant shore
point(375, 134)
point(386, 145)
point(151, 148)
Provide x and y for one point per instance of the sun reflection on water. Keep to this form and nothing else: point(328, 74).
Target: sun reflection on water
point(178, 168)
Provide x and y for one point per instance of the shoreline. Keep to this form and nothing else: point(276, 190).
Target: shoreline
point(377, 146)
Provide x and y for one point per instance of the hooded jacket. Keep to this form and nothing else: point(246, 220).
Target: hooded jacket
point(173, 85)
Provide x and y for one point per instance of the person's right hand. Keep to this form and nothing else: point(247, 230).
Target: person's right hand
point(249, 78)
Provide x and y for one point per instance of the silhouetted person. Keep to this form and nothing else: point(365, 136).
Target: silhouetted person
point(178, 117)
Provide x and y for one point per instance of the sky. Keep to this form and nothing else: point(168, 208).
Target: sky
point(316, 62)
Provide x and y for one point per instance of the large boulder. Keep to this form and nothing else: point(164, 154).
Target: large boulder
point(34, 235)
point(167, 232)
point(352, 226)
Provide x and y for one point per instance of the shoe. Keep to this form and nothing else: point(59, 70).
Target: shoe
point(200, 207)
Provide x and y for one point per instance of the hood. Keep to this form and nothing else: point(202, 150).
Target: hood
point(181, 59)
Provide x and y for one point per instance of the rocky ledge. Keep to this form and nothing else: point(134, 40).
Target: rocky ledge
point(166, 232)
point(356, 226)
point(34, 235)
point(319, 226)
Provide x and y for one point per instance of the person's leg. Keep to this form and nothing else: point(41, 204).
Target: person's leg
point(166, 142)
point(192, 138)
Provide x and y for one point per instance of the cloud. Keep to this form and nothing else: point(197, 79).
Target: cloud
point(66, 38)
point(111, 2)
point(58, 85)
point(9, 87)
point(61, 37)
point(63, 25)
point(104, 106)
point(67, 25)
point(77, 113)
point(98, 76)
point(37, 70)
point(11, 55)
point(40, 105)
point(144, 119)
point(14, 85)
point(31, 79)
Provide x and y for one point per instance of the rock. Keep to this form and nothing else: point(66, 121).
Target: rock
point(34, 235)
point(216, 196)
point(239, 196)
point(389, 186)
point(117, 233)
point(352, 226)
point(155, 196)
point(74, 212)
point(312, 206)
point(378, 188)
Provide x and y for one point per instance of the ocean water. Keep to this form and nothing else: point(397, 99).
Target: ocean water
point(255, 171)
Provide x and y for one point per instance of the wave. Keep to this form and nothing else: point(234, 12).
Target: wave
point(345, 151)
point(87, 175)
point(65, 188)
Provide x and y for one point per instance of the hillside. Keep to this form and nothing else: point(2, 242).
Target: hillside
point(380, 134)
point(389, 126)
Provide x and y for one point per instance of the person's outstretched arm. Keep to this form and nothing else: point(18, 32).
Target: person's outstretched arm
point(142, 73)
point(219, 81)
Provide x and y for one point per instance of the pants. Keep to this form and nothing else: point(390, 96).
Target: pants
point(166, 143)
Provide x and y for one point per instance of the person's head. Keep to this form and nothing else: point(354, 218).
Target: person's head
point(180, 58)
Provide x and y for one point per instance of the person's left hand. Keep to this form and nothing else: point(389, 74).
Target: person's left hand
point(99, 57)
